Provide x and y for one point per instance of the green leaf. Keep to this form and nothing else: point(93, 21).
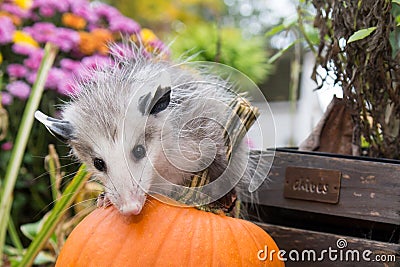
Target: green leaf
point(43, 258)
point(274, 30)
point(361, 34)
point(286, 25)
point(396, 2)
point(30, 230)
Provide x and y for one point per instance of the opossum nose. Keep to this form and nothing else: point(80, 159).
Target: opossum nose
point(131, 208)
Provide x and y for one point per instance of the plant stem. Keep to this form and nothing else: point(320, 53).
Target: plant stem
point(55, 216)
point(14, 236)
point(17, 153)
point(54, 172)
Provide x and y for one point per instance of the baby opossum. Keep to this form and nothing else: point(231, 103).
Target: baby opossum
point(144, 125)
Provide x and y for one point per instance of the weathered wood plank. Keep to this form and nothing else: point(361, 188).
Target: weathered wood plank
point(348, 251)
point(369, 190)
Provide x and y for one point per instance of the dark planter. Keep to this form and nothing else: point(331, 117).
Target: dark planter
point(314, 199)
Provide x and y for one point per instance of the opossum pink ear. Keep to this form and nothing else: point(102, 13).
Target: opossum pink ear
point(57, 127)
point(151, 104)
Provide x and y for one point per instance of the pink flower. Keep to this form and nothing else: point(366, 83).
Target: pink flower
point(7, 146)
point(23, 49)
point(48, 8)
point(47, 11)
point(67, 87)
point(55, 77)
point(96, 61)
point(64, 38)
point(41, 31)
point(82, 8)
point(31, 77)
point(6, 99)
point(105, 11)
point(19, 89)
point(70, 65)
point(124, 25)
point(15, 10)
point(16, 70)
point(6, 30)
point(34, 59)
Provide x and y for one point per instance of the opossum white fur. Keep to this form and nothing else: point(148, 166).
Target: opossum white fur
point(110, 116)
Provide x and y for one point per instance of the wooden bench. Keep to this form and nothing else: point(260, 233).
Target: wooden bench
point(316, 201)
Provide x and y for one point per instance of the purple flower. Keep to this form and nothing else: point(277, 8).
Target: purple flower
point(124, 25)
point(6, 30)
point(48, 8)
point(31, 77)
point(16, 70)
point(106, 11)
point(15, 10)
point(67, 87)
point(34, 59)
point(23, 49)
point(19, 89)
point(123, 50)
point(7, 146)
point(41, 31)
point(70, 65)
point(96, 62)
point(55, 77)
point(6, 99)
point(66, 39)
point(82, 8)
point(47, 11)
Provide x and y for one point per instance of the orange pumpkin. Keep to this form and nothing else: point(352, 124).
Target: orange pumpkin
point(165, 235)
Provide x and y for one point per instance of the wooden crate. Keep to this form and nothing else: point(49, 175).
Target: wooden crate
point(359, 205)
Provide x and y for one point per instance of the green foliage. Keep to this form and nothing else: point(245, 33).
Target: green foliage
point(300, 26)
point(17, 153)
point(164, 16)
point(206, 42)
point(361, 34)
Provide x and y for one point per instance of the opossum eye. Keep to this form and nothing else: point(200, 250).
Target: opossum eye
point(139, 152)
point(99, 164)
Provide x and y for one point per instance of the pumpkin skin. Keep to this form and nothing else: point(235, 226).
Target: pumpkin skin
point(165, 235)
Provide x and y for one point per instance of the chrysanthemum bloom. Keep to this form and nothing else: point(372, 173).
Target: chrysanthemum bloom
point(6, 99)
point(19, 89)
point(7, 30)
point(73, 21)
point(17, 70)
point(7, 146)
point(23, 38)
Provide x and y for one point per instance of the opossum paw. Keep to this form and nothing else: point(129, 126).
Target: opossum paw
point(103, 201)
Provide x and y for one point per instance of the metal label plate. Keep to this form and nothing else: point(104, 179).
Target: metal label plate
point(312, 184)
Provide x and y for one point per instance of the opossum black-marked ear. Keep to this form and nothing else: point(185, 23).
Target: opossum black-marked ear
point(158, 100)
point(60, 128)
point(158, 103)
point(162, 95)
point(161, 99)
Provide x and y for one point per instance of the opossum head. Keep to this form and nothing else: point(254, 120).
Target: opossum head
point(145, 125)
